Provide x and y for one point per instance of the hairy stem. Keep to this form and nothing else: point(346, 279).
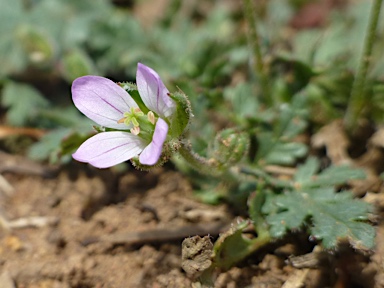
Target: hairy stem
point(357, 100)
point(200, 164)
point(254, 41)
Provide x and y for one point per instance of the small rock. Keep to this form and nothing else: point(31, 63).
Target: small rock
point(6, 280)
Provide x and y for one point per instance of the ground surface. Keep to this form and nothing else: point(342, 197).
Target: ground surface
point(93, 234)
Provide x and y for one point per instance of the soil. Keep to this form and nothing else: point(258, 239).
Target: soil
point(85, 227)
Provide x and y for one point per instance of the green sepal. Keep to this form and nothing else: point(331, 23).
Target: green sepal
point(183, 113)
point(169, 149)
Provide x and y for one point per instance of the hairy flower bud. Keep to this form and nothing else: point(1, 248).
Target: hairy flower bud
point(229, 147)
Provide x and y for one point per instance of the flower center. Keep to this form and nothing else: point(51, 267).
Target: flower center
point(131, 117)
point(142, 124)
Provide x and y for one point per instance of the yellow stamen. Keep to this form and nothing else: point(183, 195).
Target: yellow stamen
point(121, 120)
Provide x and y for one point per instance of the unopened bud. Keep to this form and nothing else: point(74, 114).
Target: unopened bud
point(229, 147)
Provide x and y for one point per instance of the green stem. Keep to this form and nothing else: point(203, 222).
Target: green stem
point(254, 41)
point(266, 177)
point(233, 257)
point(200, 164)
point(357, 100)
point(230, 250)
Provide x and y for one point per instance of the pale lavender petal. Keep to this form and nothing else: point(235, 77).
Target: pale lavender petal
point(152, 152)
point(107, 149)
point(153, 91)
point(102, 100)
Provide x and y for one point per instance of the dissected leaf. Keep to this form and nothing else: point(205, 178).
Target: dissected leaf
point(336, 175)
point(307, 170)
point(333, 175)
point(328, 215)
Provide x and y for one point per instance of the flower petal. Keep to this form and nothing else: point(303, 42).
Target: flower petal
point(102, 100)
point(152, 152)
point(109, 148)
point(153, 91)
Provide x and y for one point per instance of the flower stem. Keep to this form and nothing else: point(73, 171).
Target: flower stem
point(201, 164)
point(254, 42)
point(357, 100)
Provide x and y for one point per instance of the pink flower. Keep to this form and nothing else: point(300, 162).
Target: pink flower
point(109, 105)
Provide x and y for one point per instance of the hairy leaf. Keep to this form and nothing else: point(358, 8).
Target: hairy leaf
point(329, 216)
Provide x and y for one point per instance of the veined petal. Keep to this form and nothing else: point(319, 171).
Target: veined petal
point(152, 152)
point(153, 91)
point(107, 149)
point(102, 100)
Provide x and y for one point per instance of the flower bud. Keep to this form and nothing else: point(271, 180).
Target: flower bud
point(229, 147)
point(180, 119)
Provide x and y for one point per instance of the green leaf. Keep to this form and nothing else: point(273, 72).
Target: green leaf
point(307, 170)
point(340, 220)
point(255, 204)
point(243, 100)
point(312, 202)
point(274, 151)
point(75, 64)
point(336, 175)
point(11, 54)
point(23, 102)
point(333, 175)
point(298, 72)
point(231, 247)
point(49, 146)
point(330, 217)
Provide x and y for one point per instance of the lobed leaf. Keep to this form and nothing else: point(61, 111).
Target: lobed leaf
point(329, 216)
